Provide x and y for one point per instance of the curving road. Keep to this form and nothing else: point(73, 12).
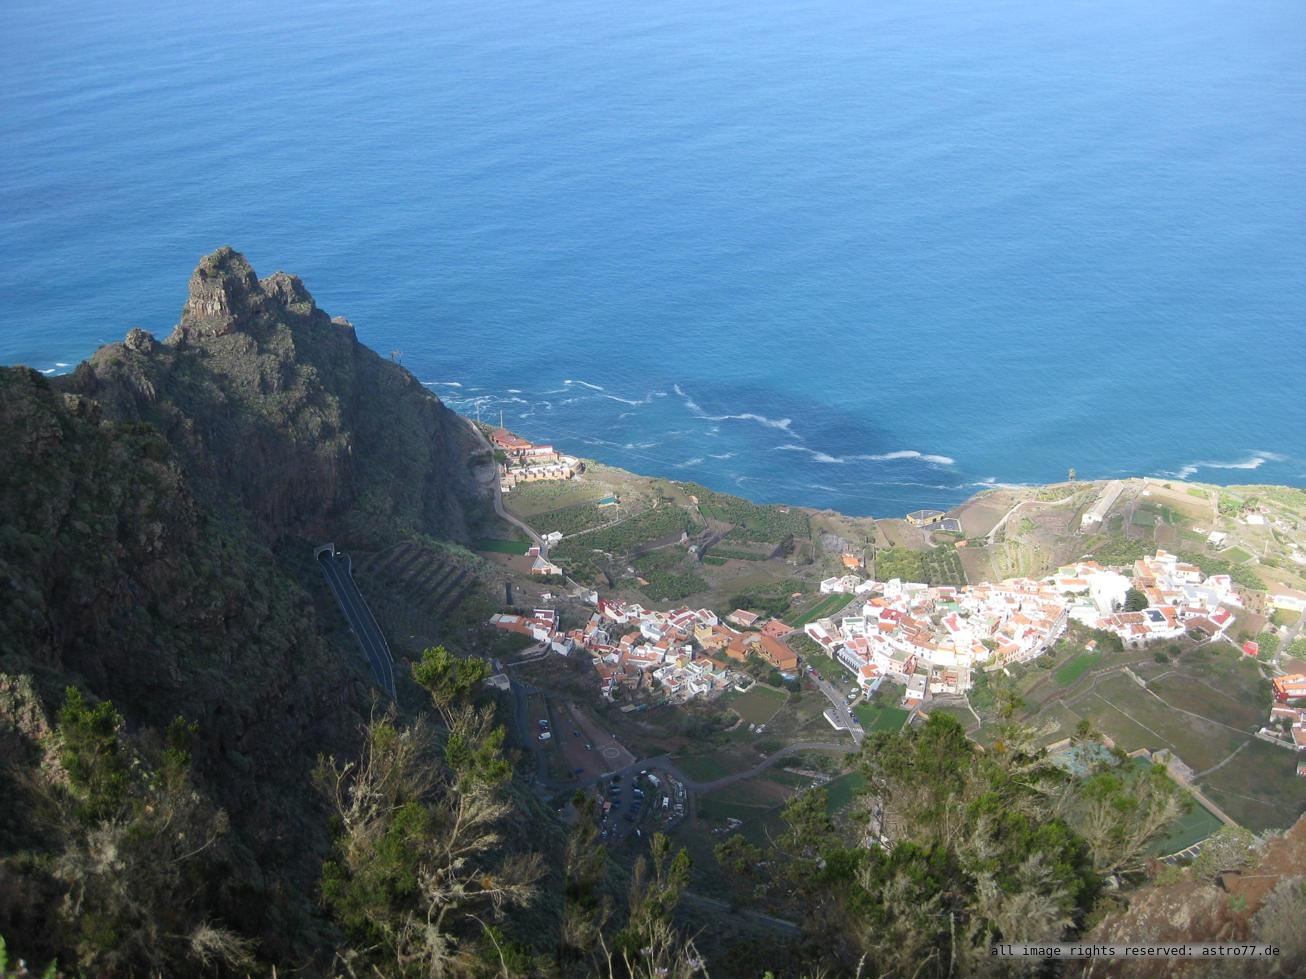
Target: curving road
point(720, 783)
point(498, 491)
point(839, 704)
point(359, 616)
point(516, 521)
point(667, 763)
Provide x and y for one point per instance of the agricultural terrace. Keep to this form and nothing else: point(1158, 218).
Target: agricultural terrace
point(574, 519)
point(669, 575)
point(1074, 668)
point(666, 522)
point(938, 566)
point(1203, 702)
point(735, 554)
point(495, 545)
point(752, 522)
point(527, 500)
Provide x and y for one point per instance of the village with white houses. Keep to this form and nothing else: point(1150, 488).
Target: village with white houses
point(930, 639)
point(908, 646)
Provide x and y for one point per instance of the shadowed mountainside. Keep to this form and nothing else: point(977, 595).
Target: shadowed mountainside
point(279, 409)
point(154, 502)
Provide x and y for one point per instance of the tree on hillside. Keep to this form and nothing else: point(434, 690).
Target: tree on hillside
point(449, 679)
point(141, 847)
point(586, 909)
point(1268, 643)
point(1278, 922)
point(1229, 848)
point(649, 947)
point(418, 862)
point(1118, 814)
point(972, 852)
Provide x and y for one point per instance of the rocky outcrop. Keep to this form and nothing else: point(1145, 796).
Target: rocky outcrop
point(224, 294)
point(1248, 905)
point(276, 408)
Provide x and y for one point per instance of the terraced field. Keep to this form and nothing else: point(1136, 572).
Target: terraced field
point(413, 589)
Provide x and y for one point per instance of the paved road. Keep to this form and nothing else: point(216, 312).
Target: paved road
point(783, 753)
point(527, 737)
point(516, 521)
point(498, 492)
point(839, 702)
point(339, 575)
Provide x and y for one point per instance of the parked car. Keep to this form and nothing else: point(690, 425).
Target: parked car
point(545, 736)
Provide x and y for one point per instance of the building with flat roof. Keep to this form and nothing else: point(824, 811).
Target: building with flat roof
point(923, 518)
point(1105, 501)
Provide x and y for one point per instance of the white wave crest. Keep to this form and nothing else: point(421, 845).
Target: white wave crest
point(782, 424)
point(584, 384)
point(825, 457)
point(938, 460)
point(1255, 459)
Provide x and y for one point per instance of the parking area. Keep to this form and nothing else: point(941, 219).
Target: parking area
point(636, 801)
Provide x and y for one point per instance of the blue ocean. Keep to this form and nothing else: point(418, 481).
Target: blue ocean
point(861, 254)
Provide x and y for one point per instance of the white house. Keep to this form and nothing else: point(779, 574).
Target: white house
point(1108, 591)
point(1289, 599)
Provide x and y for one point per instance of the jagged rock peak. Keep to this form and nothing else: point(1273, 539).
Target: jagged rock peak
point(223, 292)
point(227, 297)
point(142, 341)
point(288, 291)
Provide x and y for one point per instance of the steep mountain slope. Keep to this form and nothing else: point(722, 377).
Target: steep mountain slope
point(279, 409)
point(146, 500)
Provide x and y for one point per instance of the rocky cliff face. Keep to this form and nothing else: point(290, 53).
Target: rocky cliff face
point(143, 499)
point(278, 409)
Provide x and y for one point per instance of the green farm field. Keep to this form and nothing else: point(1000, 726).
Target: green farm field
point(1074, 668)
point(759, 704)
point(1193, 827)
point(826, 606)
point(882, 718)
point(1259, 788)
